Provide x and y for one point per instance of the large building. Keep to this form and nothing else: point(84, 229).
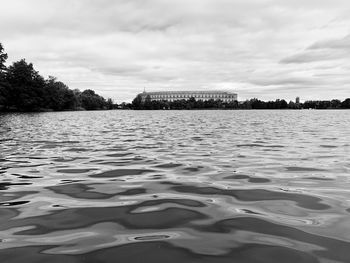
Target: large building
point(186, 95)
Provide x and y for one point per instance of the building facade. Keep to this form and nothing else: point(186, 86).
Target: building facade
point(186, 95)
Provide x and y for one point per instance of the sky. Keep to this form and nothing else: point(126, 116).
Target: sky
point(264, 49)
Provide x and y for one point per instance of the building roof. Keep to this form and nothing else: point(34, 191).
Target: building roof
point(188, 92)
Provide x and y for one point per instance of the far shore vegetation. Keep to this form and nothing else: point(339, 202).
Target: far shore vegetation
point(23, 89)
point(255, 104)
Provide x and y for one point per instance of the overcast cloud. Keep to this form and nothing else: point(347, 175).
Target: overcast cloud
point(258, 48)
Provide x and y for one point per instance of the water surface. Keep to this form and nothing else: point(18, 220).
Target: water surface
point(175, 186)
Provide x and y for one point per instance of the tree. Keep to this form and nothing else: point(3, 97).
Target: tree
point(91, 101)
point(346, 103)
point(283, 104)
point(109, 104)
point(137, 103)
point(3, 96)
point(58, 96)
point(292, 105)
point(335, 104)
point(148, 103)
point(26, 90)
point(3, 84)
point(3, 58)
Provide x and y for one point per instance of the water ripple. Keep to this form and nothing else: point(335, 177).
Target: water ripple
point(175, 186)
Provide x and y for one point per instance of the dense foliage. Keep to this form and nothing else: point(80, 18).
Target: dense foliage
point(23, 89)
point(148, 104)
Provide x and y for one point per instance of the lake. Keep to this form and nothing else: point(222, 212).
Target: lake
point(175, 186)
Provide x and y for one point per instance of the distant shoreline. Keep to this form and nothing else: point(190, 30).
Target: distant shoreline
point(217, 109)
point(140, 103)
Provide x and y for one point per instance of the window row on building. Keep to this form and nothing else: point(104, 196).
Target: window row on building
point(198, 95)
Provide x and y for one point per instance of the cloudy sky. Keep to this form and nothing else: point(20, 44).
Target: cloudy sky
point(258, 48)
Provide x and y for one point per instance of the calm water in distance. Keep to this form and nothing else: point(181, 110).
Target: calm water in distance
point(175, 186)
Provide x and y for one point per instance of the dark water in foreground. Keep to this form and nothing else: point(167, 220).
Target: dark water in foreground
point(175, 186)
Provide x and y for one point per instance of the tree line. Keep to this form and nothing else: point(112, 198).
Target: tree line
point(22, 88)
point(148, 104)
point(309, 104)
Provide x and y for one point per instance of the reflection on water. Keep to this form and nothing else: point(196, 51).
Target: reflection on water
point(175, 186)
